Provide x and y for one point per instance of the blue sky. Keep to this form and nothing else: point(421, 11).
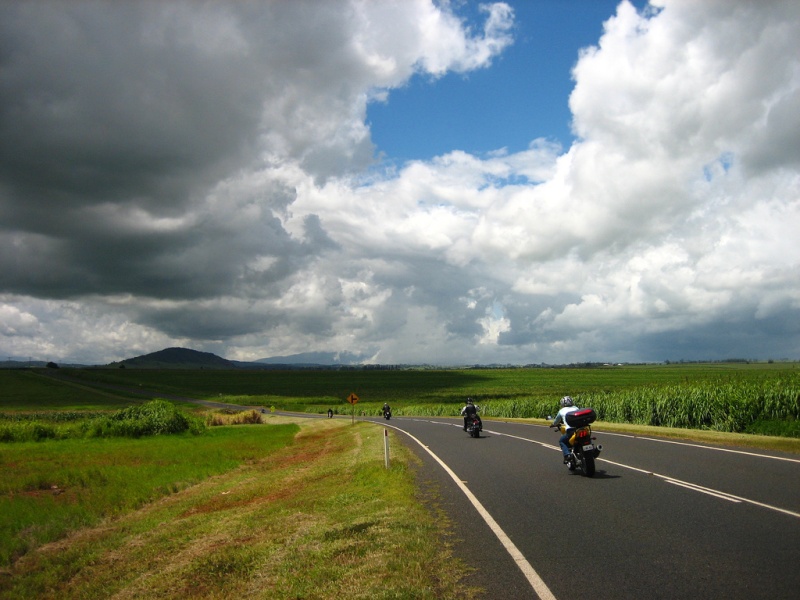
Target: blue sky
point(523, 95)
point(220, 176)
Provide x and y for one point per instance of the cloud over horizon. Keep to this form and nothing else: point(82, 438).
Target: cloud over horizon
point(174, 173)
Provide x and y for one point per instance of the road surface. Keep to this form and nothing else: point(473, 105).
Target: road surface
point(660, 519)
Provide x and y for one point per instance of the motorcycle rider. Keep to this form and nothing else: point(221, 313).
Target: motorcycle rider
point(469, 411)
point(567, 406)
point(386, 409)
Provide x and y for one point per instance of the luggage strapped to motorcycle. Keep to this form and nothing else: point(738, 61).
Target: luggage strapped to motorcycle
point(580, 418)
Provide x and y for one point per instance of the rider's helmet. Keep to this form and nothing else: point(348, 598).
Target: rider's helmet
point(566, 401)
point(469, 401)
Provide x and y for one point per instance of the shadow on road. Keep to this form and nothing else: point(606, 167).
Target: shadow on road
point(598, 474)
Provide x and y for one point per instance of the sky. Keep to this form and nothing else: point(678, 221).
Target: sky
point(405, 181)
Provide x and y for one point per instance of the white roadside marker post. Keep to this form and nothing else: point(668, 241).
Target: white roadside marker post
point(386, 446)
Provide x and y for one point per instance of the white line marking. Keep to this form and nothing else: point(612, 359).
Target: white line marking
point(686, 484)
point(706, 490)
point(677, 443)
point(538, 585)
point(702, 491)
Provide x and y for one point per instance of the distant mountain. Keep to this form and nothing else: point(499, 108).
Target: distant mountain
point(21, 364)
point(184, 358)
point(315, 358)
point(36, 364)
point(176, 358)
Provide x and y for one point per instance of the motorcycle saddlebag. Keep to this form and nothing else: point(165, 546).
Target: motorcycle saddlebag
point(581, 418)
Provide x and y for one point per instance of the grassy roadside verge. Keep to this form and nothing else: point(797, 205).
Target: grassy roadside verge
point(318, 518)
point(52, 487)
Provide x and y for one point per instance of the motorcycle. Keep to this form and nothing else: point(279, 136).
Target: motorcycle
point(474, 426)
point(387, 414)
point(583, 450)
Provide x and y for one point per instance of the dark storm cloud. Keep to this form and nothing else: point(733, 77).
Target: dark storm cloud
point(119, 122)
point(113, 119)
point(192, 258)
point(734, 337)
point(100, 105)
point(213, 322)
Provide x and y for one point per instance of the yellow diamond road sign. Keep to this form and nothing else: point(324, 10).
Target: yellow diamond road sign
point(352, 398)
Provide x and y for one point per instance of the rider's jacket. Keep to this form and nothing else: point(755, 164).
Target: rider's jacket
point(469, 410)
point(560, 417)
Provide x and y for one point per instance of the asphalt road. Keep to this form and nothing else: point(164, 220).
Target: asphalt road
point(660, 519)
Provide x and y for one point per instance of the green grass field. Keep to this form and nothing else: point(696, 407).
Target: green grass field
point(29, 389)
point(735, 397)
point(51, 487)
point(424, 386)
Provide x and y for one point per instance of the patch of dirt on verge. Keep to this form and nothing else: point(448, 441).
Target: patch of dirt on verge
point(313, 447)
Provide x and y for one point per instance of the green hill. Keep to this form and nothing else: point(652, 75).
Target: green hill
point(176, 358)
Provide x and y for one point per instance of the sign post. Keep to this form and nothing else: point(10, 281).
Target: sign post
point(352, 399)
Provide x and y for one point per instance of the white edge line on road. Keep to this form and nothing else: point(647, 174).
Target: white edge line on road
point(538, 585)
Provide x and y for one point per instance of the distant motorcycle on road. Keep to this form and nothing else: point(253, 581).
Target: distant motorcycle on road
point(583, 450)
point(474, 426)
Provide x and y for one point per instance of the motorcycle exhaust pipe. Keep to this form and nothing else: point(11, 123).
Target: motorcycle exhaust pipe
point(599, 446)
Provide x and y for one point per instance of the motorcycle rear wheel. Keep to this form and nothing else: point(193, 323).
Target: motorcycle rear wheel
point(588, 466)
